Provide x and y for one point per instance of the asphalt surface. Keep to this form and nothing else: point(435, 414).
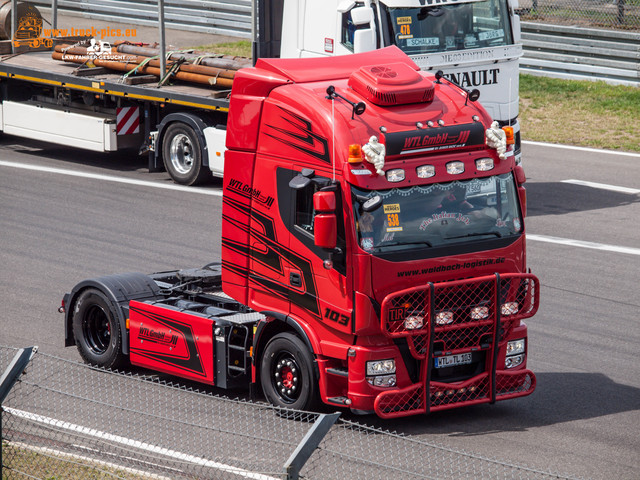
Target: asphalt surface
point(581, 421)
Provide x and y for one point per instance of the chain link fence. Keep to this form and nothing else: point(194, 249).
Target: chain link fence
point(608, 14)
point(64, 419)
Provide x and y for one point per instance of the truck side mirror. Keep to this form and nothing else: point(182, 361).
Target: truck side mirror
point(364, 39)
point(522, 193)
point(521, 178)
point(325, 224)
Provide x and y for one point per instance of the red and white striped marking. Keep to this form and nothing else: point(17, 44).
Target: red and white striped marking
point(127, 120)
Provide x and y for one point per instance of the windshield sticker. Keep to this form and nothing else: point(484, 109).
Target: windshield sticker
point(443, 219)
point(392, 208)
point(403, 20)
point(405, 32)
point(423, 42)
point(490, 35)
point(388, 237)
point(516, 224)
point(393, 221)
point(367, 243)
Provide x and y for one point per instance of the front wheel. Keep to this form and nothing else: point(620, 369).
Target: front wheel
point(182, 155)
point(96, 330)
point(286, 373)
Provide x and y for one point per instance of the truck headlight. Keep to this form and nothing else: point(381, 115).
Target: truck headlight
point(479, 313)
point(381, 367)
point(444, 317)
point(515, 347)
point(413, 322)
point(509, 308)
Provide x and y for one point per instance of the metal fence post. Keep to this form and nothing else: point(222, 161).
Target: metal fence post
point(8, 380)
point(620, 17)
point(308, 444)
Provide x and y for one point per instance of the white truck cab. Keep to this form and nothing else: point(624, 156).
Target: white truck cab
point(476, 43)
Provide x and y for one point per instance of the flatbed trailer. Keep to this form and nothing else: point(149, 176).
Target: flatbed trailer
point(74, 105)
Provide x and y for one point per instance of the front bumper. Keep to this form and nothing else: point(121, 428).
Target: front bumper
point(466, 333)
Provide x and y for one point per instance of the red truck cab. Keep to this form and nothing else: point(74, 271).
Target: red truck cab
point(397, 287)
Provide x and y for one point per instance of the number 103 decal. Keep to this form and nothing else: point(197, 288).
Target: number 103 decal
point(334, 316)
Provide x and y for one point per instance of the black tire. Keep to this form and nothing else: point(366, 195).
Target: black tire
point(96, 330)
point(182, 154)
point(286, 373)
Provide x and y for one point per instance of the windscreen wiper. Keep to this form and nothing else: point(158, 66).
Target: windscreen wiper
point(394, 244)
point(475, 234)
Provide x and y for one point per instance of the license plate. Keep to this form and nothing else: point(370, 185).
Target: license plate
point(452, 360)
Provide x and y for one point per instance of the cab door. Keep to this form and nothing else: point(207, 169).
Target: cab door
point(268, 240)
point(318, 289)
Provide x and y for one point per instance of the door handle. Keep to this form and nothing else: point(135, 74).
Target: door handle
point(295, 279)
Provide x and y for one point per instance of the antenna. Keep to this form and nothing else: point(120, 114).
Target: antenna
point(356, 109)
point(333, 141)
point(472, 95)
point(509, 102)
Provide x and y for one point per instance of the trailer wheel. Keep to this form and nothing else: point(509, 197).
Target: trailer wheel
point(97, 330)
point(286, 373)
point(182, 155)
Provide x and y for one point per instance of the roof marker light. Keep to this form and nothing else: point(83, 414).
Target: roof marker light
point(484, 164)
point(395, 175)
point(455, 168)
point(425, 171)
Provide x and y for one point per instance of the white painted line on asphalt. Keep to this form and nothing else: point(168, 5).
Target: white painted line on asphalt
point(579, 243)
point(183, 457)
point(109, 178)
point(603, 186)
point(582, 149)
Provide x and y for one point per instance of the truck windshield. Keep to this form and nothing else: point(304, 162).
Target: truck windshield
point(438, 214)
point(460, 26)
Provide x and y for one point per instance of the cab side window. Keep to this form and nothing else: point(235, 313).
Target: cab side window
point(348, 27)
point(304, 211)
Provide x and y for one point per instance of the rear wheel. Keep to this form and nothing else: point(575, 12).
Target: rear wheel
point(96, 330)
point(182, 155)
point(286, 373)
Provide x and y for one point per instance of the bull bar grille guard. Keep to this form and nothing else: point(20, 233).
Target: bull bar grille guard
point(458, 317)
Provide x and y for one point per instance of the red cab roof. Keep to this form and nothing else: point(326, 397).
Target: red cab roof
point(330, 68)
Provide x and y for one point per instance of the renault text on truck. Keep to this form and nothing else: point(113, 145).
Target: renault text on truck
point(373, 251)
